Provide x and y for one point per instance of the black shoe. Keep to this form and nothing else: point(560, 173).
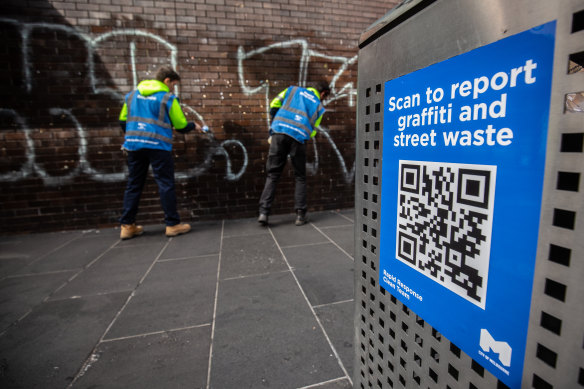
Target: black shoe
point(301, 218)
point(263, 219)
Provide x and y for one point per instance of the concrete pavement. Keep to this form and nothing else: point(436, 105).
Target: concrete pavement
point(229, 305)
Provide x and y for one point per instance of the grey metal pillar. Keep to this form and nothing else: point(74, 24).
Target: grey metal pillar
point(394, 346)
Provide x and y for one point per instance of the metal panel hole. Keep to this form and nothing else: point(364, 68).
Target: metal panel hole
point(380, 370)
point(378, 88)
point(376, 145)
point(555, 289)
point(416, 377)
point(581, 377)
point(418, 360)
point(375, 180)
point(453, 372)
point(375, 162)
point(568, 181)
point(402, 362)
point(559, 254)
point(572, 143)
point(377, 126)
point(433, 375)
point(436, 334)
point(374, 198)
point(551, 323)
point(419, 321)
point(367, 92)
point(366, 127)
point(545, 354)
point(434, 354)
point(374, 232)
point(377, 107)
point(576, 63)
point(404, 327)
point(564, 218)
point(381, 339)
point(367, 110)
point(381, 323)
point(501, 385)
point(477, 368)
point(574, 102)
point(392, 333)
point(402, 380)
point(471, 386)
point(404, 346)
point(454, 350)
point(392, 316)
point(540, 383)
point(391, 350)
point(390, 382)
point(390, 365)
point(419, 340)
point(366, 145)
point(382, 308)
point(578, 21)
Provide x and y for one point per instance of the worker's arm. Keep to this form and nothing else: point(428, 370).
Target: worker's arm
point(277, 103)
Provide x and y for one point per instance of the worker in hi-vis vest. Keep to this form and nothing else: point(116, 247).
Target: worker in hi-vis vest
point(296, 113)
point(147, 118)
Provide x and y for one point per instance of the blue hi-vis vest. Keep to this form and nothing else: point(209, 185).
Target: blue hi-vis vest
point(148, 125)
point(299, 112)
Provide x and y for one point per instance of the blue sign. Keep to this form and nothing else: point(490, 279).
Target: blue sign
point(463, 161)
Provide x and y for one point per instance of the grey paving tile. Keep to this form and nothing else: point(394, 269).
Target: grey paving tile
point(120, 269)
point(243, 227)
point(266, 336)
point(337, 320)
point(248, 255)
point(48, 347)
point(324, 272)
point(18, 251)
point(177, 359)
point(344, 236)
point(349, 213)
point(328, 219)
point(290, 235)
point(75, 254)
point(175, 294)
point(21, 294)
point(203, 239)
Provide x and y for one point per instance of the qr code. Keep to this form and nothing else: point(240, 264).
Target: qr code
point(444, 223)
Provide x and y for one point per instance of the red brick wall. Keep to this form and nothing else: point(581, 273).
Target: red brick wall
point(67, 65)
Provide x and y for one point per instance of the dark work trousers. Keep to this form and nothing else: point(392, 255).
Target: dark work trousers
point(163, 170)
point(281, 146)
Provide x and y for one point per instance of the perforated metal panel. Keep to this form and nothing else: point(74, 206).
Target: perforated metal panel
point(394, 348)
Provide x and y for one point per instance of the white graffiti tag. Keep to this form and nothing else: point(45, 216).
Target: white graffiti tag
point(92, 48)
point(346, 91)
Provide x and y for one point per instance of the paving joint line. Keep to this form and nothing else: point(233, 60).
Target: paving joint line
point(215, 306)
point(333, 349)
point(90, 359)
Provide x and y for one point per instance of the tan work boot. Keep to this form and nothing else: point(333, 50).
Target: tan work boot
point(179, 229)
point(130, 230)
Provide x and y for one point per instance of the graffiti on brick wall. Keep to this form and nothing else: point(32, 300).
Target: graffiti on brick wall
point(92, 46)
point(214, 148)
point(347, 90)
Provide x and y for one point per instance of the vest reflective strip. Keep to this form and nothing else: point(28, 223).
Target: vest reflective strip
point(294, 124)
point(161, 113)
point(147, 134)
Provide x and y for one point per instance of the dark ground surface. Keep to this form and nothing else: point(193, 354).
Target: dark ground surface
point(228, 305)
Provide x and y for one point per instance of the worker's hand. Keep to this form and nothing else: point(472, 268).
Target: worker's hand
point(198, 127)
